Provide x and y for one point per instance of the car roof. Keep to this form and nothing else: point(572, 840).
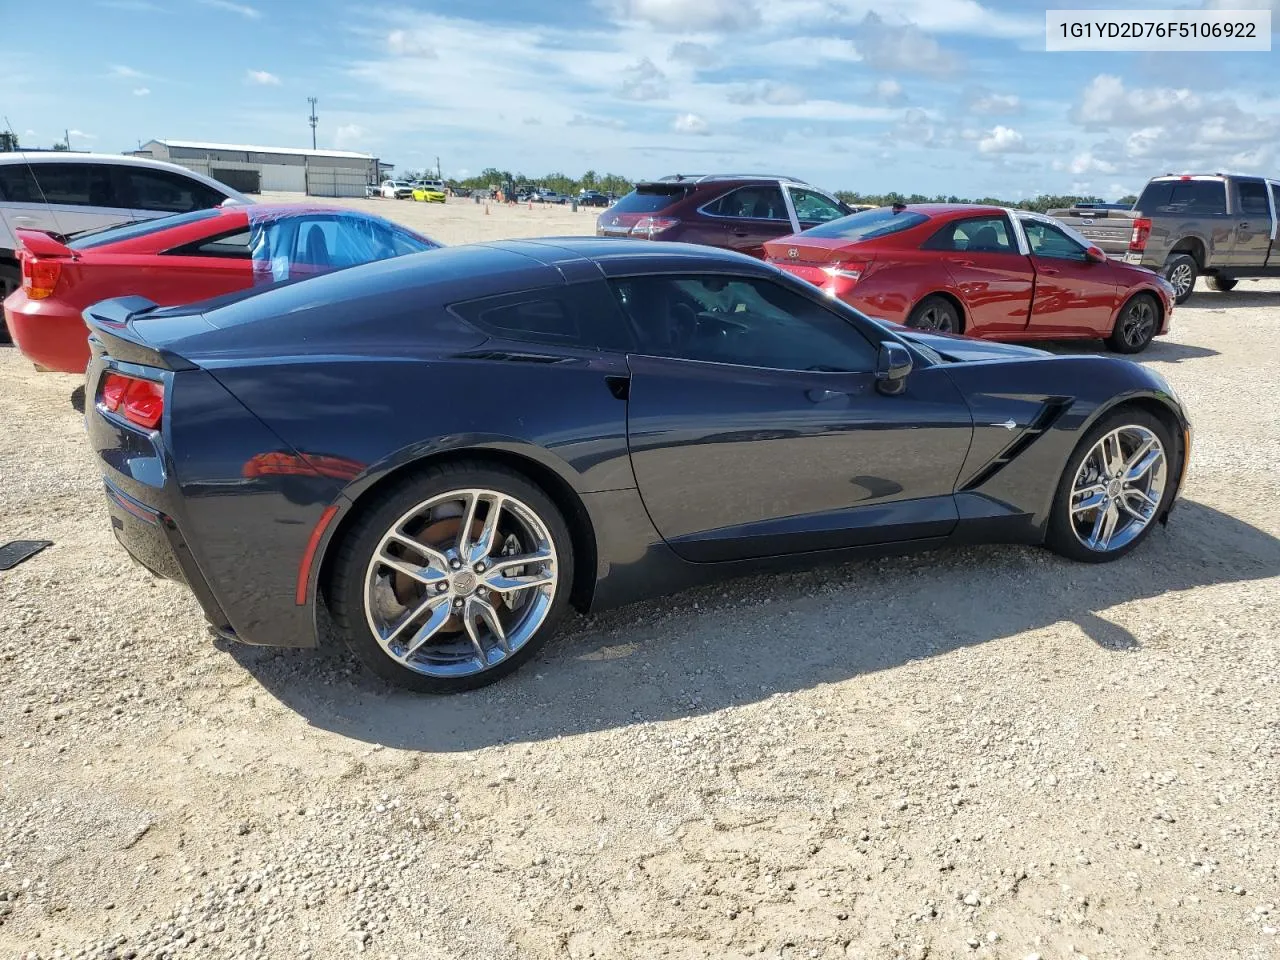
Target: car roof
point(118, 159)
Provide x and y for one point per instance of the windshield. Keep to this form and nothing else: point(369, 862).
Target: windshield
point(879, 222)
point(88, 239)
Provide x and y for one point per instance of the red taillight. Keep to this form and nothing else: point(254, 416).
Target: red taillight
point(1141, 231)
point(139, 401)
point(846, 270)
point(649, 227)
point(39, 277)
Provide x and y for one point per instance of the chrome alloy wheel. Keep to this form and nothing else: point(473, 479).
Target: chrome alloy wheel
point(1118, 488)
point(1181, 279)
point(936, 318)
point(460, 582)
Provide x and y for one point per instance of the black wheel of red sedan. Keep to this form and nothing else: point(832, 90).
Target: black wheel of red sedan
point(454, 578)
point(1117, 483)
point(1137, 323)
point(937, 314)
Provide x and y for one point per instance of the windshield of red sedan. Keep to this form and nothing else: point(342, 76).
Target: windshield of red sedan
point(868, 224)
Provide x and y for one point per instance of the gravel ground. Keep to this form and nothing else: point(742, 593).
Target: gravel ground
point(987, 753)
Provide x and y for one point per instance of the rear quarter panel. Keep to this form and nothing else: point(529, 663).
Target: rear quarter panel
point(899, 278)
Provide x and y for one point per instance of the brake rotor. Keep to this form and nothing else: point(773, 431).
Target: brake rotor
point(439, 535)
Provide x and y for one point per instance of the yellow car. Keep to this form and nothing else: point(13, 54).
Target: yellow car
point(428, 193)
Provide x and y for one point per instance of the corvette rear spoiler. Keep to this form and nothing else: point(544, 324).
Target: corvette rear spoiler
point(113, 324)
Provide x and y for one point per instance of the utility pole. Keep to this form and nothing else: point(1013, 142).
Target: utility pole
point(313, 119)
point(439, 176)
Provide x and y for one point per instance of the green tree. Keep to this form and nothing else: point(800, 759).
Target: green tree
point(1129, 199)
point(8, 142)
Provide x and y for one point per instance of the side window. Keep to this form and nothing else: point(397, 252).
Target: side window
point(1048, 241)
point(976, 235)
point(543, 320)
point(17, 184)
point(1275, 198)
point(165, 192)
point(1253, 197)
point(751, 203)
point(734, 320)
point(1199, 197)
point(581, 315)
point(234, 247)
point(814, 207)
point(77, 184)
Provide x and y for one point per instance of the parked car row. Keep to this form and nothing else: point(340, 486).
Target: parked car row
point(1219, 226)
point(982, 271)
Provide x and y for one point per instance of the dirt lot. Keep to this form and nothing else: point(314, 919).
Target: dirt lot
point(989, 753)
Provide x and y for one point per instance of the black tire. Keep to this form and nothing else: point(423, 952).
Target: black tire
point(10, 280)
point(345, 590)
point(1181, 270)
point(937, 314)
point(1136, 324)
point(1221, 282)
point(1061, 536)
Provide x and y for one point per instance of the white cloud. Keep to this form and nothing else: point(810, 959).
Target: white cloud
point(890, 91)
point(693, 54)
point(349, 135)
point(81, 135)
point(690, 123)
point(902, 48)
point(142, 91)
point(128, 73)
point(1002, 140)
point(402, 43)
point(1087, 163)
point(995, 104)
point(643, 81)
point(583, 120)
point(244, 10)
point(768, 91)
point(682, 16)
point(262, 78)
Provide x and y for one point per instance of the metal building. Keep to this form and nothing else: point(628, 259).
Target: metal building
point(250, 169)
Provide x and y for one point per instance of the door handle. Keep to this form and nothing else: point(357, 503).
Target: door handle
point(740, 233)
point(1050, 271)
point(824, 396)
point(1244, 225)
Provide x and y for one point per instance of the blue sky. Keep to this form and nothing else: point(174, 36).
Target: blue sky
point(950, 96)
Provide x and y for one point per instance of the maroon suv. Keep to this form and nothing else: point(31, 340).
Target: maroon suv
point(736, 212)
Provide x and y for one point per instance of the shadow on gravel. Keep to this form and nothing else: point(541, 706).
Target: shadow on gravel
point(77, 399)
point(739, 642)
point(1246, 294)
point(1160, 351)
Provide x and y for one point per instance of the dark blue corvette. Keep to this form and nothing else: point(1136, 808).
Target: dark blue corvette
point(451, 449)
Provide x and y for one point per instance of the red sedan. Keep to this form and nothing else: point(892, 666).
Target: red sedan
point(983, 271)
point(182, 259)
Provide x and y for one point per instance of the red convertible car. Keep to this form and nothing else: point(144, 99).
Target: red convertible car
point(983, 271)
point(181, 259)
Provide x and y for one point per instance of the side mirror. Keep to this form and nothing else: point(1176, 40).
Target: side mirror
point(892, 368)
point(1095, 255)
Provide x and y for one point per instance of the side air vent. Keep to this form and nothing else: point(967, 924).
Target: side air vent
point(1050, 413)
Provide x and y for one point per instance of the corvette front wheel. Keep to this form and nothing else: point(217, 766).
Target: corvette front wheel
point(1116, 485)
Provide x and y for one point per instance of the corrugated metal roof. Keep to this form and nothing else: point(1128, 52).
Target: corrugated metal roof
point(249, 148)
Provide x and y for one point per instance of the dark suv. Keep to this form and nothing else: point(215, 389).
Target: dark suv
point(737, 212)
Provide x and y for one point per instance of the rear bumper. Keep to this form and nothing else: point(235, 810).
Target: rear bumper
point(153, 539)
point(48, 332)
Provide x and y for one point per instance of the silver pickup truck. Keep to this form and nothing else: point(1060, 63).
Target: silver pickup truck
point(1217, 225)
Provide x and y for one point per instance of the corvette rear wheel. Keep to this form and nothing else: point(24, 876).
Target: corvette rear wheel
point(935, 313)
point(454, 578)
point(1117, 483)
